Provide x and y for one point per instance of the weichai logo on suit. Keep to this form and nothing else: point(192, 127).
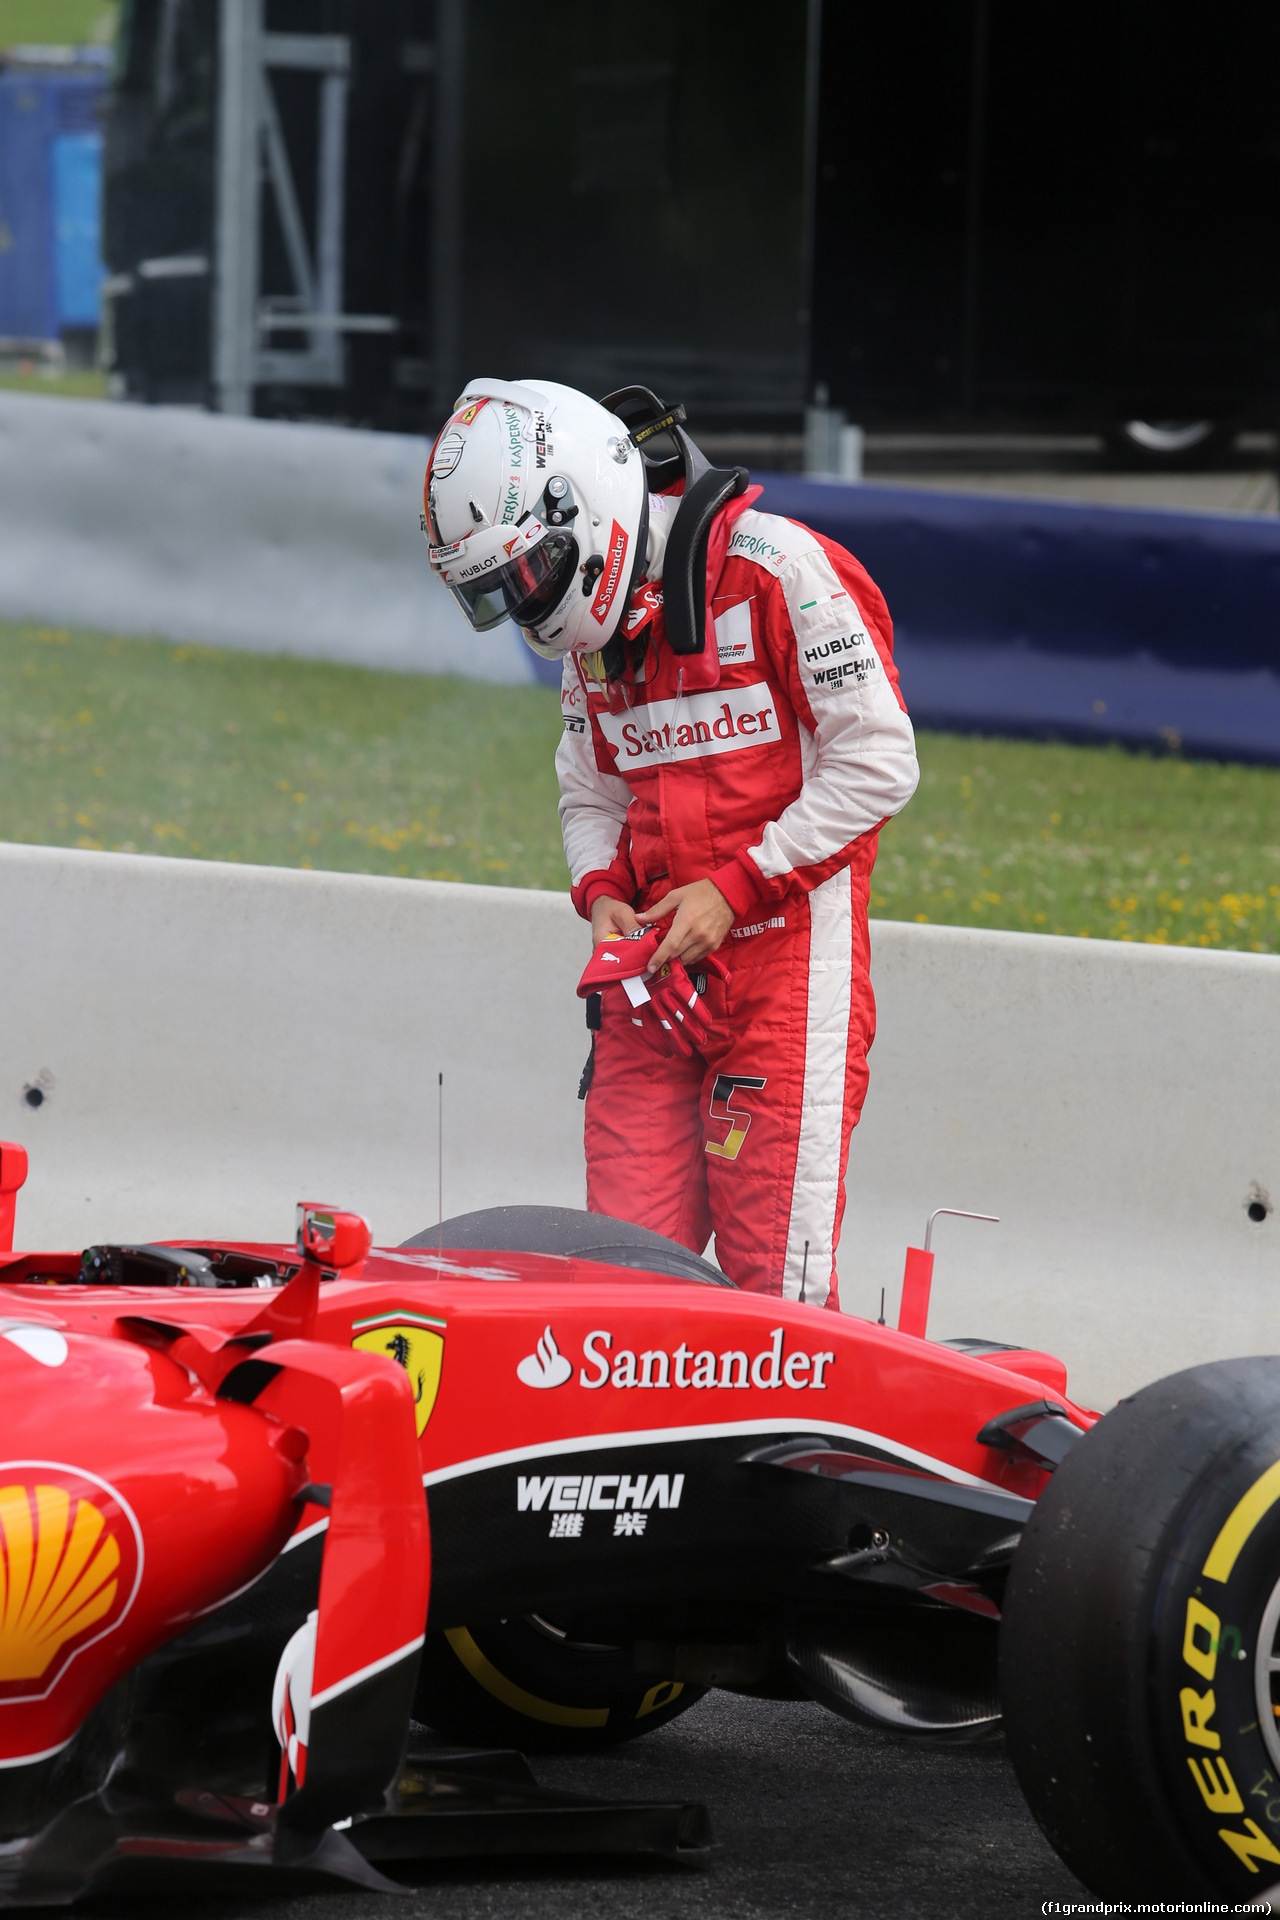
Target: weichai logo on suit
point(722, 1108)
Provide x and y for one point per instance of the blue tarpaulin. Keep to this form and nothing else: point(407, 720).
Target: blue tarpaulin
point(28, 306)
point(1039, 618)
point(50, 190)
point(77, 251)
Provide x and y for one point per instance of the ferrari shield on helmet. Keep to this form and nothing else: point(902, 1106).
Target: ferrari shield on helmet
point(535, 505)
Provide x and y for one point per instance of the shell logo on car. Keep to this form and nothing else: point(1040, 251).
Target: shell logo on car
point(70, 1563)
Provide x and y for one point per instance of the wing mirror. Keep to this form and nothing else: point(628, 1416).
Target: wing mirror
point(330, 1238)
point(13, 1172)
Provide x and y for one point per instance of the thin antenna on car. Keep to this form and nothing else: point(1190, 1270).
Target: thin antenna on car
point(804, 1271)
point(880, 1321)
point(440, 1168)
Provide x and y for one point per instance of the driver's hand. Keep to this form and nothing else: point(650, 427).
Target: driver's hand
point(610, 919)
point(702, 921)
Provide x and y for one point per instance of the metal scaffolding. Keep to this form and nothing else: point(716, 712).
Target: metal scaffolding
point(252, 150)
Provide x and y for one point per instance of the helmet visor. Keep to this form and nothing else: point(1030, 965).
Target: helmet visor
point(525, 588)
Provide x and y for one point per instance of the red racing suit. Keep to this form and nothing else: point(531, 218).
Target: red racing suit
point(767, 764)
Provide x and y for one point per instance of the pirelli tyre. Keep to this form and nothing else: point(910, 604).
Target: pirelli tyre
point(569, 1230)
point(523, 1682)
point(1140, 1646)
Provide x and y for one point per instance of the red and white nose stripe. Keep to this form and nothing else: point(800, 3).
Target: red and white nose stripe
point(291, 1703)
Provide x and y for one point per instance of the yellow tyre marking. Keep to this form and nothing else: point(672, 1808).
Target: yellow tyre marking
point(1240, 1523)
point(513, 1696)
point(660, 1696)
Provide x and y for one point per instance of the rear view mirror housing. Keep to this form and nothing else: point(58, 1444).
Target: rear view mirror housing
point(332, 1238)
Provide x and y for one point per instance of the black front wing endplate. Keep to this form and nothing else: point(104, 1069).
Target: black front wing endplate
point(447, 1804)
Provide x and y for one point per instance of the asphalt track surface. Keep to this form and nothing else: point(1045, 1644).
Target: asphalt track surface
point(812, 1815)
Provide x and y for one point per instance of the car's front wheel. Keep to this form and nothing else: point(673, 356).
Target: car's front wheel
point(525, 1682)
point(1140, 1647)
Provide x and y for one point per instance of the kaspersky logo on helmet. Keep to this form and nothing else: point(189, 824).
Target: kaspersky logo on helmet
point(515, 459)
point(612, 575)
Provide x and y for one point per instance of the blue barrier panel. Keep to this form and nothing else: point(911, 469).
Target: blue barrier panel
point(50, 203)
point(77, 252)
point(1091, 623)
point(28, 307)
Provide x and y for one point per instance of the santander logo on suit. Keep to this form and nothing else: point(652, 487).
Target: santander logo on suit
point(693, 728)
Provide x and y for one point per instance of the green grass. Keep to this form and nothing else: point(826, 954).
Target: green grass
point(80, 383)
point(58, 23)
point(1086, 840)
point(147, 747)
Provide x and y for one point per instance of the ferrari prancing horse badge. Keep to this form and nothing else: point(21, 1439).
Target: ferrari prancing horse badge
point(415, 1343)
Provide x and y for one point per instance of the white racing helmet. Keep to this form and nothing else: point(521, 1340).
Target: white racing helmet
point(535, 504)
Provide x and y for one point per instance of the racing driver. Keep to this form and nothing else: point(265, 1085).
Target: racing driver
point(734, 738)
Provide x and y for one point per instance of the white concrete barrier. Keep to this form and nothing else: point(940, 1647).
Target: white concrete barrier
point(1115, 1105)
point(238, 533)
point(216, 1042)
point(220, 1041)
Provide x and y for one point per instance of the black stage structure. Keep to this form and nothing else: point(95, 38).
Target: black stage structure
point(975, 214)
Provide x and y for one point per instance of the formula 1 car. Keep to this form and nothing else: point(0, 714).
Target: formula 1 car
point(234, 1634)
